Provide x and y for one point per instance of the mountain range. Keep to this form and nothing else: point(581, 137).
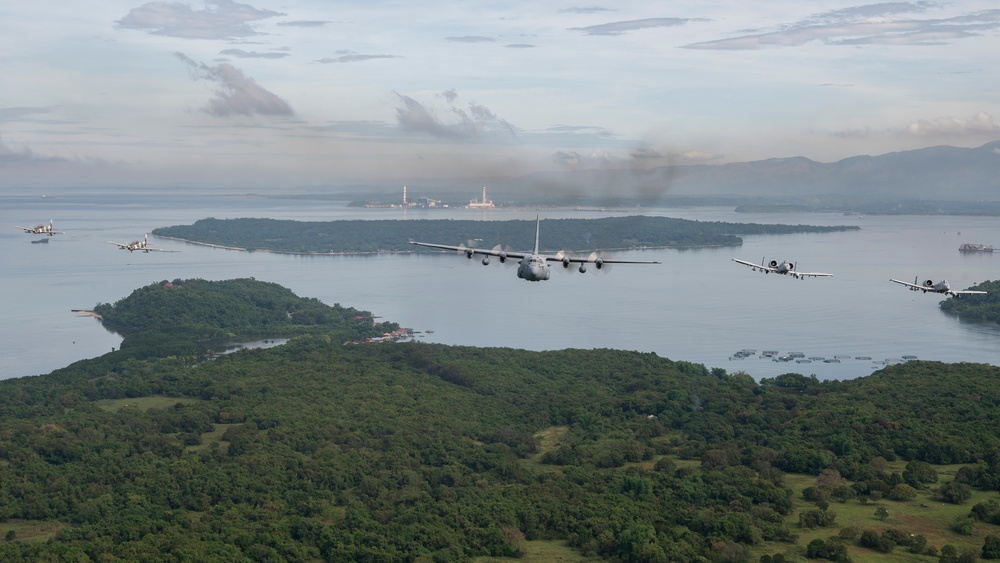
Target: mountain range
point(936, 173)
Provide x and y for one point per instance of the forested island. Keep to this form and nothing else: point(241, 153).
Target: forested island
point(360, 236)
point(185, 317)
point(977, 308)
point(316, 450)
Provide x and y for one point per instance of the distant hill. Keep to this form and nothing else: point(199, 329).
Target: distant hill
point(938, 173)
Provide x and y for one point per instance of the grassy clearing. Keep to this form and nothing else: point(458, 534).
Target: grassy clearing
point(213, 437)
point(543, 552)
point(30, 530)
point(143, 403)
point(550, 439)
point(923, 515)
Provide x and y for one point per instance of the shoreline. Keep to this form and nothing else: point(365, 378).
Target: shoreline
point(376, 252)
point(87, 313)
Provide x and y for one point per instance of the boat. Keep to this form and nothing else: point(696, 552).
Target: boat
point(863, 358)
point(909, 357)
point(972, 247)
point(831, 361)
point(803, 361)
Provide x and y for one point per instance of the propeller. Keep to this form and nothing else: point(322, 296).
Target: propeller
point(469, 247)
point(565, 264)
point(597, 258)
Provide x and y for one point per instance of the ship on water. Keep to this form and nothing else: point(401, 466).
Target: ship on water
point(971, 247)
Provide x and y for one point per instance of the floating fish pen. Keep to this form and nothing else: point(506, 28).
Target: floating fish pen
point(831, 361)
point(803, 361)
point(863, 358)
point(909, 357)
point(817, 358)
point(970, 247)
point(842, 357)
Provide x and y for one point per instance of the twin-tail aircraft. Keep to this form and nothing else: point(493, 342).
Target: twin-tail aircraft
point(41, 230)
point(140, 245)
point(939, 287)
point(534, 266)
point(784, 267)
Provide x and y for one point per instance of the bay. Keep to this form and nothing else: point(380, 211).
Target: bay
point(698, 306)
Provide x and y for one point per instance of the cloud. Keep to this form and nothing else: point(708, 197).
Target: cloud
point(567, 158)
point(240, 53)
point(618, 28)
point(476, 122)
point(646, 154)
point(304, 23)
point(584, 10)
point(520, 46)
point(471, 39)
point(221, 19)
point(581, 130)
point(977, 124)
point(24, 156)
point(865, 25)
point(352, 57)
point(237, 93)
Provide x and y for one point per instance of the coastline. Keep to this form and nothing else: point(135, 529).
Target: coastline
point(359, 253)
point(87, 313)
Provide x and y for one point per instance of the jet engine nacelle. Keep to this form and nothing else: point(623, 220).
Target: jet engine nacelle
point(566, 262)
point(791, 266)
point(470, 253)
point(773, 263)
point(502, 257)
point(599, 263)
point(929, 283)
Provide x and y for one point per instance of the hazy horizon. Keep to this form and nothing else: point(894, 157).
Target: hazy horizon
point(224, 93)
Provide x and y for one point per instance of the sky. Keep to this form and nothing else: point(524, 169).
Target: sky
point(291, 93)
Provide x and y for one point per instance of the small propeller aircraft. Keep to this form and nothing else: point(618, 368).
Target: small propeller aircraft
point(940, 287)
point(534, 266)
point(41, 230)
point(141, 245)
point(784, 267)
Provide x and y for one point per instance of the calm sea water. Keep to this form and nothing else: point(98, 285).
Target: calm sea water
point(697, 306)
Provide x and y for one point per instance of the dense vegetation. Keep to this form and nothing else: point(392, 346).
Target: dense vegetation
point(977, 307)
point(359, 236)
point(188, 316)
point(855, 206)
point(405, 452)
